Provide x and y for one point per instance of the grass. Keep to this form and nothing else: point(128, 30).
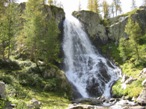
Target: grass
point(49, 100)
point(130, 68)
point(132, 90)
point(26, 83)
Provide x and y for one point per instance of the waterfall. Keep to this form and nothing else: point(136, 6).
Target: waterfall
point(85, 68)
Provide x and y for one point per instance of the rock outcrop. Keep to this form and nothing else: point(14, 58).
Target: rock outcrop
point(34, 104)
point(2, 90)
point(56, 12)
point(143, 73)
point(117, 24)
point(142, 97)
point(92, 24)
point(116, 30)
point(97, 30)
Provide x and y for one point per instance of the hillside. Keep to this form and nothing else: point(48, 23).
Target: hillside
point(31, 55)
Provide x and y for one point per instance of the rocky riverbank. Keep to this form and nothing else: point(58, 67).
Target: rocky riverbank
point(112, 103)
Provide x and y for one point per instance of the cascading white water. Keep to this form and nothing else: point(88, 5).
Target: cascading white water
point(85, 68)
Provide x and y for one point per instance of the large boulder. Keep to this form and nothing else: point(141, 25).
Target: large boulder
point(56, 12)
point(92, 24)
point(142, 97)
point(143, 73)
point(2, 90)
point(116, 29)
point(34, 104)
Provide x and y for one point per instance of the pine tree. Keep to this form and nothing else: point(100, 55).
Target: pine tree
point(2, 35)
point(133, 4)
point(96, 6)
point(144, 2)
point(90, 5)
point(93, 5)
point(112, 9)
point(117, 5)
point(125, 52)
point(41, 33)
point(79, 7)
point(50, 2)
point(9, 27)
point(32, 27)
point(105, 9)
point(133, 30)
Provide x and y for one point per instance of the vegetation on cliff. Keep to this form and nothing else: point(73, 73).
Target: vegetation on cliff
point(129, 53)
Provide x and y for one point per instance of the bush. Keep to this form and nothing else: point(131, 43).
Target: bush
point(6, 79)
point(8, 64)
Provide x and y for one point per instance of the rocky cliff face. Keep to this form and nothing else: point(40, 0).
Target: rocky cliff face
point(117, 27)
point(96, 29)
point(51, 11)
point(92, 24)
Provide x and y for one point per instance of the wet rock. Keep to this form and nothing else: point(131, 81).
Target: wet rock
point(142, 97)
point(2, 90)
point(84, 106)
point(93, 101)
point(92, 24)
point(137, 107)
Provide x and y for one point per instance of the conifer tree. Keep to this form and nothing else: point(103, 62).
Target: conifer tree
point(144, 2)
point(105, 9)
point(33, 25)
point(90, 5)
point(112, 9)
point(79, 7)
point(93, 5)
point(9, 27)
point(133, 30)
point(41, 33)
point(133, 4)
point(50, 2)
point(96, 6)
point(125, 52)
point(117, 6)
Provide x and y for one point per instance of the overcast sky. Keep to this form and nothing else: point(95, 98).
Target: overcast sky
point(72, 5)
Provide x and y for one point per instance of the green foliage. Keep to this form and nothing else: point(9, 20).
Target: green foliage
point(50, 2)
point(133, 50)
point(28, 82)
point(132, 90)
point(111, 50)
point(9, 22)
point(93, 5)
point(21, 105)
point(3, 103)
point(125, 52)
point(42, 39)
point(105, 9)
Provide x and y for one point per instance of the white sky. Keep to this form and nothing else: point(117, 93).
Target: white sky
point(72, 5)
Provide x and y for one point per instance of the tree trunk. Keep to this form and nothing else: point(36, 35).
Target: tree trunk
point(137, 51)
point(3, 49)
